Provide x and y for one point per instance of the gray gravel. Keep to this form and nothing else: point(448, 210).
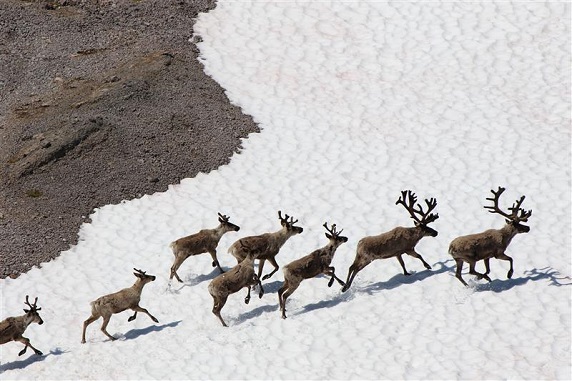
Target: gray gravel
point(100, 101)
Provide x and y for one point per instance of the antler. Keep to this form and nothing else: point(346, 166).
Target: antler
point(428, 218)
point(333, 231)
point(139, 271)
point(515, 209)
point(223, 217)
point(33, 306)
point(285, 220)
point(408, 199)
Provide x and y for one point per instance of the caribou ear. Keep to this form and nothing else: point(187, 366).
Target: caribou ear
point(26, 311)
point(137, 275)
point(328, 236)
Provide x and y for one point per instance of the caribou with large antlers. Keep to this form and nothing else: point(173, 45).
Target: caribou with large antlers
point(12, 328)
point(266, 246)
point(491, 243)
point(398, 241)
point(205, 241)
point(128, 298)
point(316, 263)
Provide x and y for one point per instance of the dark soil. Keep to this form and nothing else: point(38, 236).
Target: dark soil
point(100, 101)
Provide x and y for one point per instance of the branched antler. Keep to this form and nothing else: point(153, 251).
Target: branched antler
point(285, 220)
point(139, 271)
point(223, 217)
point(33, 306)
point(408, 199)
point(333, 231)
point(515, 209)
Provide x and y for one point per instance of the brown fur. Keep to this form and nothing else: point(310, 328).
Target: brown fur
point(491, 243)
point(316, 263)
point(205, 241)
point(265, 246)
point(240, 276)
point(398, 241)
point(393, 243)
point(128, 298)
point(12, 328)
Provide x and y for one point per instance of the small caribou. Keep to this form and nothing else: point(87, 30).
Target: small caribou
point(398, 241)
point(128, 298)
point(12, 328)
point(491, 243)
point(240, 276)
point(205, 241)
point(316, 263)
point(266, 246)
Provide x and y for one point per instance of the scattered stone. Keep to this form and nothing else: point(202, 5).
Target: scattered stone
point(98, 152)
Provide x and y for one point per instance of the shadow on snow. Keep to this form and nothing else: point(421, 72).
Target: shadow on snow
point(175, 287)
point(21, 364)
point(339, 298)
point(534, 275)
point(203, 277)
point(401, 279)
point(135, 333)
point(271, 288)
point(242, 318)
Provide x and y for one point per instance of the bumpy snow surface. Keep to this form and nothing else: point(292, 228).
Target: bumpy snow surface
point(357, 101)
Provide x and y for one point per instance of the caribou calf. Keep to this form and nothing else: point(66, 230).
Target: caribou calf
point(240, 276)
point(128, 298)
point(205, 241)
point(12, 328)
point(316, 263)
point(491, 243)
point(266, 246)
point(398, 241)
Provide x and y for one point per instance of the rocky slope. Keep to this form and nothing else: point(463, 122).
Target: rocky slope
point(100, 101)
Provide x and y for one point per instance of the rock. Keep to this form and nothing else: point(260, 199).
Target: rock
point(48, 146)
point(76, 139)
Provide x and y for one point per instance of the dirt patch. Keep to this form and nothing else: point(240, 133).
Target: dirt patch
point(100, 101)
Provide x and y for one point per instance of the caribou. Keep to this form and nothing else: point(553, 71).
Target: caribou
point(316, 263)
point(491, 243)
point(266, 246)
point(12, 328)
point(128, 298)
point(205, 241)
point(398, 241)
